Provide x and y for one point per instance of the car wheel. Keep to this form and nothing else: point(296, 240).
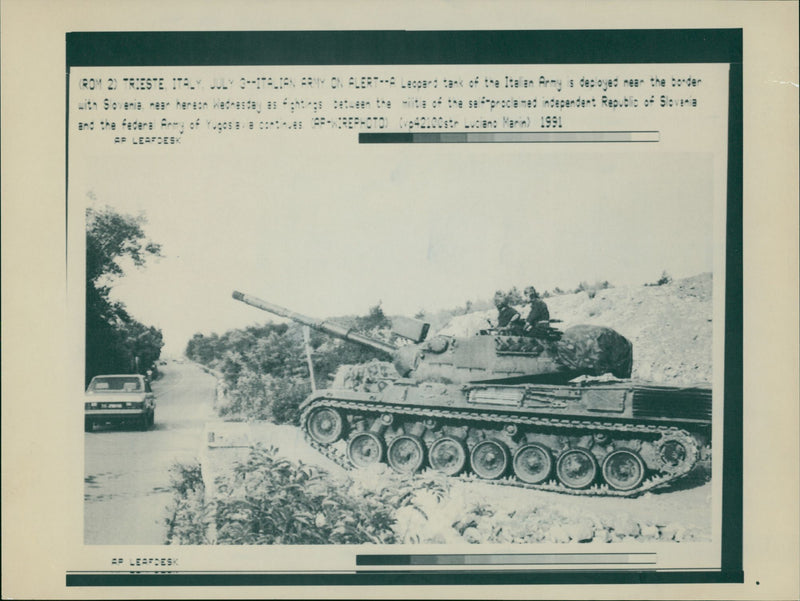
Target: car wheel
point(152, 418)
point(144, 423)
point(88, 425)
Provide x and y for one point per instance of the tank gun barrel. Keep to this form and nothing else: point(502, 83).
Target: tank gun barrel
point(329, 327)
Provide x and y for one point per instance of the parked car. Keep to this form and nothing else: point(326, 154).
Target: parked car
point(116, 399)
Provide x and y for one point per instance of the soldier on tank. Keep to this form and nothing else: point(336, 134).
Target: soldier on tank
point(538, 319)
point(508, 318)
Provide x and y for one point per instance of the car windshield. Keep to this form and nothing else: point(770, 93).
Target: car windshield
point(116, 384)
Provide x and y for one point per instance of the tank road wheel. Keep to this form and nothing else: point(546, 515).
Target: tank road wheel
point(576, 468)
point(325, 425)
point(448, 456)
point(489, 459)
point(365, 449)
point(623, 470)
point(532, 463)
point(406, 454)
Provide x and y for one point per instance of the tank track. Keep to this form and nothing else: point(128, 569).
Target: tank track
point(654, 481)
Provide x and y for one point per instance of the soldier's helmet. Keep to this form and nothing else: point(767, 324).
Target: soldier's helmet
point(530, 293)
point(500, 299)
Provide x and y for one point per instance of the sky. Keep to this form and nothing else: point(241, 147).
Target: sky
point(412, 237)
point(325, 226)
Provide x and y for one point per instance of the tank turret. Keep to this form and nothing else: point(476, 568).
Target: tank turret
point(490, 356)
point(508, 408)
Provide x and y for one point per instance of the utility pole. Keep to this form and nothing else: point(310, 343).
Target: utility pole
point(307, 339)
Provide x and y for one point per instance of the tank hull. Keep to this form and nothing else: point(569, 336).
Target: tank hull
point(617, 439)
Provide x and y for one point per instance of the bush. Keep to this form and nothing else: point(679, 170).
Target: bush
point(189, 515)
point(287, 394)
point(271, 500)
point(264, 369)
point(266, 397)
point(663, 280)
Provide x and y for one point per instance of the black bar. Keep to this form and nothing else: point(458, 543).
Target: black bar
point(388, 578)
point(732, 486)
point(184, 48)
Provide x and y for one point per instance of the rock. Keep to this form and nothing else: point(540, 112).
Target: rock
point(413, 526)
point(558, 534)
point(502, 532)
point(624, 525)
point(581, 531)
point(650, 531)
point(471, 535)
point(673, 531)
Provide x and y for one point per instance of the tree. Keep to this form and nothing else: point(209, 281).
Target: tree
point(375, 319)
point(114, 339)
point(111, 237)
point(663, 280)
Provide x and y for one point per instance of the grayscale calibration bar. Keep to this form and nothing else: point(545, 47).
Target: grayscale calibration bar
point(516, 559)
point(508, 137)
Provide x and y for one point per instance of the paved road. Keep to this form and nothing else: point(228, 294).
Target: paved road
point(126, 486)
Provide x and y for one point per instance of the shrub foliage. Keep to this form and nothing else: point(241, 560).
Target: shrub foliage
point(268, 499)
point(189, 515)
point(264, 368)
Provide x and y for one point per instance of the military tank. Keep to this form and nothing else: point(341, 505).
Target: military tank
point(554, 412)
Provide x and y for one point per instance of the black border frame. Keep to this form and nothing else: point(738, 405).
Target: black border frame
point(635, 46)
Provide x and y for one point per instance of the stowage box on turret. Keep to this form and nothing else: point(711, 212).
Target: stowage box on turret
point(553, 412)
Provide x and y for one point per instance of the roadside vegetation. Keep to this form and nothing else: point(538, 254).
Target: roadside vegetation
point(115, 341)
point(264, 371)
point(268, 499)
